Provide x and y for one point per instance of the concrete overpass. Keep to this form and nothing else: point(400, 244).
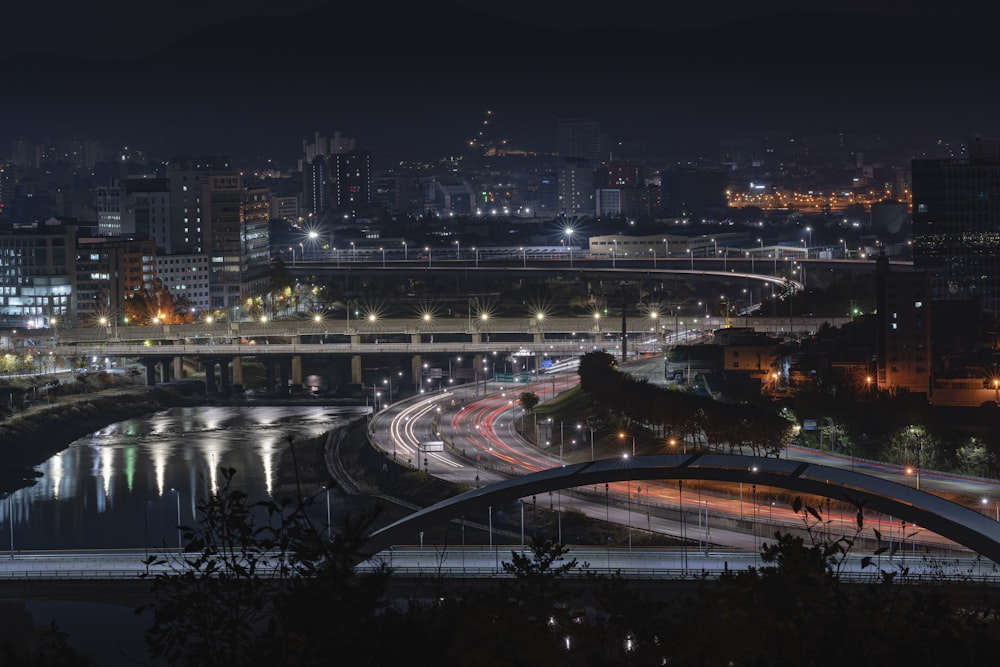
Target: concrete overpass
point(220, 348)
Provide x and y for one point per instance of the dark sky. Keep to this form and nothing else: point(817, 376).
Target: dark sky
point(414, 81)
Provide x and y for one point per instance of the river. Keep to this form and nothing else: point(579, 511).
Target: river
point(130, 484)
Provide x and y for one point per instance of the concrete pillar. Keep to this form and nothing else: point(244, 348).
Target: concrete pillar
point(284, 369)
point(238, 370)
point(477, 337)
point(297, 369)
point(164, 365)
point(268, 373)
point(538, 337)
point(178, 363)
point(417, 371)
point(150, 366)
point(227, 386)
point(209, 376)
point(356, 369)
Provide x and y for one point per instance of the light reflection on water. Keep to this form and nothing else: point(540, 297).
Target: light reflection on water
point(125, 485)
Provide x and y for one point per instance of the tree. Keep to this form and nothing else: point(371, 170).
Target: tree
point(258, 584)
point(528, 400)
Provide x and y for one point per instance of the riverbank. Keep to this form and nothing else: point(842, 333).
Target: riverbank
point(32, 436)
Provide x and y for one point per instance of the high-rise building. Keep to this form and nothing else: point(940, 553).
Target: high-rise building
point(37, 271)
point(580, 138)
point(903, 342)
point(576, 187)
point(237, 240)
point(316, 185)
point(956, 224)
point(353, 179)
point(145, 209)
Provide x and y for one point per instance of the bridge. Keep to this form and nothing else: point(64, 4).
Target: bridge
point(219, 348)
point(948, 519)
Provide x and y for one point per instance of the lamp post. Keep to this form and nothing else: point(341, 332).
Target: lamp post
point(427, 249)
point(622, 435)
point(145, 531)
point(180, 548)
point(691, 255)
point(476, 250)
point(329, 525)
point(666, 248)
point(458, 249)
point(354, 252)
point(986, 502)
point(406, 255)
point(809, 231)
point(715, 251)
point(628, 503)
point(524, 257)
point(292, 250)
point(383, 257)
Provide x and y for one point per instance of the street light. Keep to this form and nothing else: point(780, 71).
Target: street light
point(354, 252)
point(329, 525)
point(524, 257)
point(383, 257)
point(180, 548)
point(622, 435)
point(427, 249)
point(986, 502)
point(406, 255)
point(458, 249)
point(292, 250)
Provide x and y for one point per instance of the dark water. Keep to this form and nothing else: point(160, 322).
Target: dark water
point(126, 485)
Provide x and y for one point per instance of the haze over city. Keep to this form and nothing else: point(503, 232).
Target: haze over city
point(253, 79)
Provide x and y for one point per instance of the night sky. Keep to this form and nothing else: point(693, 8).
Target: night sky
point(413, 81)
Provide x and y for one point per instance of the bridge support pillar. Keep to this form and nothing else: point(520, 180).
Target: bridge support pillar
point(227, 386)
point(164, 365)
point(178, 364)
point(209, 365)
point(269, 375)
point(297, 369)
point(538, 337)
point(356, 369)
point(284, 368)
point(417, 371)
point(238, 370)
point(150, 366)
point(477, 337)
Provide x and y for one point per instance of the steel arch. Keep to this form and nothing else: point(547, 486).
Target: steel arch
point(948, 519)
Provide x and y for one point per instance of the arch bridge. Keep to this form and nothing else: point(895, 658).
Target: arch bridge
point(950, 520)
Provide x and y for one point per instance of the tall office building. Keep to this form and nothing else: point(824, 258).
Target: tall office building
point(316, 185)
point(145, 209)
point(580, 138)
point(903, 340)
point(576, 187)
point(956, 224)
point(353, 179)
point(238, 241)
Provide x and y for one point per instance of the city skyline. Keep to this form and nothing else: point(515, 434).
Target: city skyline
point(254, 81)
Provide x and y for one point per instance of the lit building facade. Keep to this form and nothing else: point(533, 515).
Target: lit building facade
point(956, 224)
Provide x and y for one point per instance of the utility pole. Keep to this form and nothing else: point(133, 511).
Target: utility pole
point(624, 327)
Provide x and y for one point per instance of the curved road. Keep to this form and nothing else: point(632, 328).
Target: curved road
point(486, 447)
